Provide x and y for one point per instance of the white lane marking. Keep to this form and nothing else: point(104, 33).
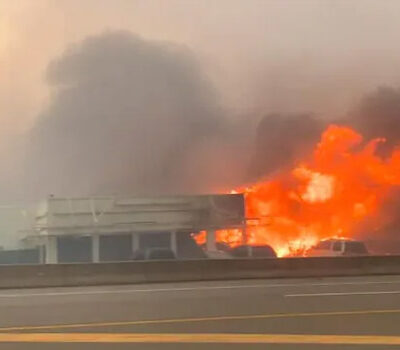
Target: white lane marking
point(199, 288)
point(341, 294)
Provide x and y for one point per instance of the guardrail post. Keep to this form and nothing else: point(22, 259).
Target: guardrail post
point(51, 250)
point(95, 248)
point(42, 254)
point(135, 241)
point(173, 243)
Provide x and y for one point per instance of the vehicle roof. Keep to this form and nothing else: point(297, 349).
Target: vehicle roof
point(340, 240)
point(253, 245)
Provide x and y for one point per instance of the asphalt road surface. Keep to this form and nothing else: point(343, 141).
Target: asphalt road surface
point(328, 313)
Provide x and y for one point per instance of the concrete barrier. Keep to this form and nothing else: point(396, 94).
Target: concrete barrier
point(63, 275)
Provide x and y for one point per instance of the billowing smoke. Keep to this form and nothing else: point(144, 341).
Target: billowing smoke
point(281, 138)
point(378, 115)
point(126, 115)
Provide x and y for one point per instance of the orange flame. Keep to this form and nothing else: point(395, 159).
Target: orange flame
point(343, 185)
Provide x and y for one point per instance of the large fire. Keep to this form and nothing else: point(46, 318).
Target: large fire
point(342, 187)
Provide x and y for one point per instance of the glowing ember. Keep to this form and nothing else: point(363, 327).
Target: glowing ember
point(344, 184)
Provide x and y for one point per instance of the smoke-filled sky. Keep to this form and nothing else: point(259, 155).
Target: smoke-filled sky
point(241, 60)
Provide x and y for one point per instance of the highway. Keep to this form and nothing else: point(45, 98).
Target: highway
point(328, 313)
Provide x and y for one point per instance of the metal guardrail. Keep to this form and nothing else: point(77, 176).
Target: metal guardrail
point(63, 275)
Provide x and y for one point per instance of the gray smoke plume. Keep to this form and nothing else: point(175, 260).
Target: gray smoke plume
point(126, 116)
point(281, 138)
point(129, 115)
point(378, 115)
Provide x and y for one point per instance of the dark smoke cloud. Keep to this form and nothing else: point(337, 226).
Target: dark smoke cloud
point(281, 138)
point(378, 115)
point(126, 116)
point(133, 116)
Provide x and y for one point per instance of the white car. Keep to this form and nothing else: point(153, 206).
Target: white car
point(338, 247)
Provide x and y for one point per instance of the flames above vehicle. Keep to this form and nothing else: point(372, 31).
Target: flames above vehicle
point(336, 192)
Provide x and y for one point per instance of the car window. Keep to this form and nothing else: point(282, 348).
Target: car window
point(355, 247)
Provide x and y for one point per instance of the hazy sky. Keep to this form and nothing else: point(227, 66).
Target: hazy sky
point(262, 55)
point(275, 54)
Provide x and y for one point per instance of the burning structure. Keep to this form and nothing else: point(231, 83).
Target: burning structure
point(337, 192)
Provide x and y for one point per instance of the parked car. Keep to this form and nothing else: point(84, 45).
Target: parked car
point(338, 247)
point(253, 251)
